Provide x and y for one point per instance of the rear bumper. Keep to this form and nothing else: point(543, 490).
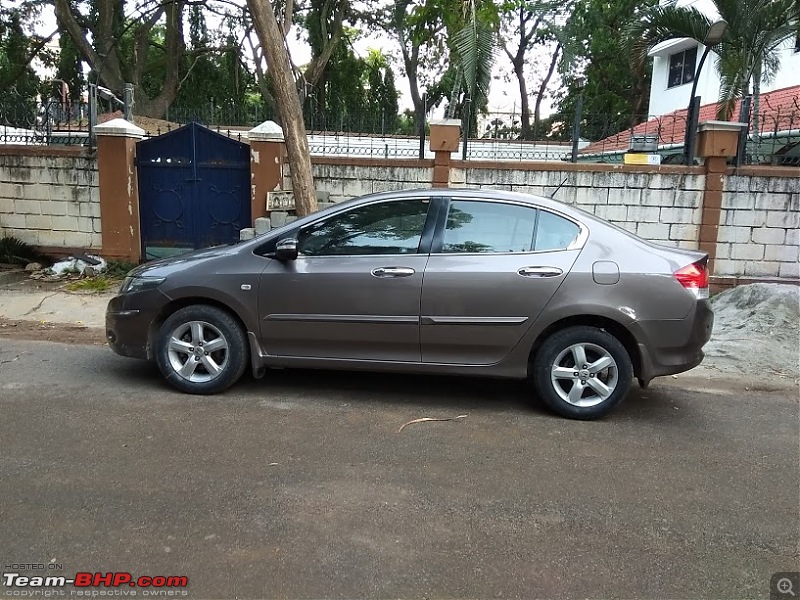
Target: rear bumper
point(674, 346)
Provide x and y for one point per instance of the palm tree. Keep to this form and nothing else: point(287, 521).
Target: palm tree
point(475, 46)
point(749, 52)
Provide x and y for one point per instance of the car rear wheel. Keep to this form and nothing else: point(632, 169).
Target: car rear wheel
point(201, 350)
point(582, 372)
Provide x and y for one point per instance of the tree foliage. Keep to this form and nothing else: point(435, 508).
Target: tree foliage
point(528, 25)
point(357, 94)
point(16, 74)
point(215, 74)
point(123, 44)
point(595, 67)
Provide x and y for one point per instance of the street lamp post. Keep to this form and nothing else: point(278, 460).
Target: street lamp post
point(713, 37)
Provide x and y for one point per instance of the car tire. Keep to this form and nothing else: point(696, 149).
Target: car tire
point(589, 389)
point(201, 349)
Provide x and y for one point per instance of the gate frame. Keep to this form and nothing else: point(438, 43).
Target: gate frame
point(205, 163)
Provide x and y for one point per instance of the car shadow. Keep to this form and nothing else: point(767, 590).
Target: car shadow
point(420, 392)
point(456, 393)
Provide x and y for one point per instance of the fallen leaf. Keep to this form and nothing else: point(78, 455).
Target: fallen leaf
point(428, 419)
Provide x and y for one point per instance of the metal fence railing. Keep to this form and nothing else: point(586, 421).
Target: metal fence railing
point(774, 133)
point(773, 138)
point(53, 122)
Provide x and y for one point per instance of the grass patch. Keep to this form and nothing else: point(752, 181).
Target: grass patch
point(93, 284)
point(118, 268)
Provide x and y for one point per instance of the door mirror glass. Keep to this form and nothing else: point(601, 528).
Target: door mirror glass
point(286, 249)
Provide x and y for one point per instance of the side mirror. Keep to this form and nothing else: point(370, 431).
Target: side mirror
point(286, 249)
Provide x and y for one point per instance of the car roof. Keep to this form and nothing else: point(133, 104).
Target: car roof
point(478, 194)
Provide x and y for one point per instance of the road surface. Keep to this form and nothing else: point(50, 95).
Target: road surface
point(300, 486)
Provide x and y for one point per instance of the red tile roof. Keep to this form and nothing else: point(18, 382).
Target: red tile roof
point(779, 111)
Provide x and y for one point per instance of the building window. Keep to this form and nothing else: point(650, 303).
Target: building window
point(797, 42)
point(681, 67)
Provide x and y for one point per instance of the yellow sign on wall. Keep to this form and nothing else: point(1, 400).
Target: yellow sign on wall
point(637, 158)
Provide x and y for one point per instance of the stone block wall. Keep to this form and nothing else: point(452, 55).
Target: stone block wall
point(342, 179)
point(759, 222)
point(759, 232)
point(49, 197)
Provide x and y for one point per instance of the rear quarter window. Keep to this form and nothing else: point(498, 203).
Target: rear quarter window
point(554, 232)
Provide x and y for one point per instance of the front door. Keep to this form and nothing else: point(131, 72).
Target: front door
point(492, 270)
point(354, 290)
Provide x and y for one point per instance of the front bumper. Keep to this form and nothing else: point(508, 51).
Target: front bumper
point(128, 328)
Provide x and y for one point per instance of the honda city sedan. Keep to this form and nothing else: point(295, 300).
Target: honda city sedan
point(447, 281)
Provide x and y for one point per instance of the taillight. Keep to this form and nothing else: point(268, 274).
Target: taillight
point(694, 278)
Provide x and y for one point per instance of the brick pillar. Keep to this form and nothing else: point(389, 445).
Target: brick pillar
point(444, 138)
point(119, 190)
point(716, 142)
point(267, 156)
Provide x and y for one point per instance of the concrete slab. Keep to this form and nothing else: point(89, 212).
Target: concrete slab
point(55, 306)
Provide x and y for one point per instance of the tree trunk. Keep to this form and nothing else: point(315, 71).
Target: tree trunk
point(411, 63)
point(157, 107)
point(288, 101)
point(525, 104)
point(105, 60)
point(518, 62)
point(316, 68)
point(537, 112)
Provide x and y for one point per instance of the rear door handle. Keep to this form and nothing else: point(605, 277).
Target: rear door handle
point(392, 272)
point(540, 271)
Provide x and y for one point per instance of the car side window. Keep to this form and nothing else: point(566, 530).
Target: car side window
point(475, 226)
point(392, 227)
point(554, 232)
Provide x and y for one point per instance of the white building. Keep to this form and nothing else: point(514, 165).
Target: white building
point(675, 62)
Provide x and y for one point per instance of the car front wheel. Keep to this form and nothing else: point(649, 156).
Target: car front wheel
point(582, 372)
point(201, 350)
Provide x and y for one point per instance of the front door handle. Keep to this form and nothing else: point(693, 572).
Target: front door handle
point(540, 271)
point(392, 272)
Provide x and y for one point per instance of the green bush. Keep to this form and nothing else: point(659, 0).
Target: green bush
point(118, 268)
point(15, 251)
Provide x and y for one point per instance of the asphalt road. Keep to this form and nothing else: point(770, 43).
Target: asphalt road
point(300, 486)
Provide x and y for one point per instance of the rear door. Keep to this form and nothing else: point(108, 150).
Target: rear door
point(494, 266)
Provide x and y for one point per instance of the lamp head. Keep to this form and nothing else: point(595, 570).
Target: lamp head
point(715, 32)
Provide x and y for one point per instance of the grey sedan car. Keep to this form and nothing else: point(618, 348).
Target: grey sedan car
point(457, 282)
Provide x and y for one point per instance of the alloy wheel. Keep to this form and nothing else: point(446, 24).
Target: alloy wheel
point(197, 351)
point(584, 374)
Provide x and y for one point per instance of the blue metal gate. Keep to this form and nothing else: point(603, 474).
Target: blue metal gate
point(194, 190)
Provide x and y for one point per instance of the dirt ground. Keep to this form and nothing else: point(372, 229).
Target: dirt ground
point(67, 333)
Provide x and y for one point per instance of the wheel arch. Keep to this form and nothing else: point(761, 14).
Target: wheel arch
point(615, 328)
point(175, 305)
